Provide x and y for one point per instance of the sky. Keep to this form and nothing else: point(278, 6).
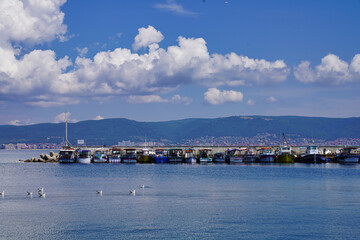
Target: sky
point(163, 60)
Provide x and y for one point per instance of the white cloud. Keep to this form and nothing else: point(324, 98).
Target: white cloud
point(332, 71)
point(146, 99)
point(62, 118)
point(177, 99)
point(174, 7)
point(146, 37)
point(271, 99)
point(98, 117)
point(82, 51)
point(214, 96)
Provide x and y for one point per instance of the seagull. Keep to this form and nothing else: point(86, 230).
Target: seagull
point(132, 192)
point(142, 186)
point(41, 194)
point(2, 193)
point(29, 193)
point(41, 190)
point(99, 192)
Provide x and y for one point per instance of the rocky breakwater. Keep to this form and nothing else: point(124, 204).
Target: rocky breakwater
point(45, 158)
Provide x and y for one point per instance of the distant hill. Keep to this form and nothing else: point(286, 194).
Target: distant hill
point(111, 131)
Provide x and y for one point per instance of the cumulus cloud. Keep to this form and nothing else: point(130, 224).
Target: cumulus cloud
point(177, 99)
point(146, 37)
point(214, 96)
point(174, 7)
point(38, 78)
point(62, 118)
point(332, 70)
point(98, 117)
point(82, 51)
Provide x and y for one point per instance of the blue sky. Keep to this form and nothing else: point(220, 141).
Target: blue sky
point(170, 59)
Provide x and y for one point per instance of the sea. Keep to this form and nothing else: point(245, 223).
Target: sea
point(179, 201)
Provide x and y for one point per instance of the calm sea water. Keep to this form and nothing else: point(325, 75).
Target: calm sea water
point(297, 201)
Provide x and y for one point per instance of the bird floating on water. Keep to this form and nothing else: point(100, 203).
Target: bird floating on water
point(132, 192)
point(41, 190)
point(2, 193)
point(41, 194)
point(142, 186)
point(99, 192)
point(29, 193)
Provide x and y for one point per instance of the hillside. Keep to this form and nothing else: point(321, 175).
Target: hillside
point(111, 131)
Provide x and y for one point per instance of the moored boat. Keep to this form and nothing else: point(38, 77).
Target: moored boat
point(161, 155)
point(175, 155)
point(67, 155)
point(129, 156)
point(204, 156)
point(219, 157)
point(234, 155)
point(285, 155)
point(115, 155)
point(144, 156)
point(348, 155)
point(100, 156)
point(267, 155)
point(190, 156)
point(84, 156)
point(312, 155)
point(250, 156)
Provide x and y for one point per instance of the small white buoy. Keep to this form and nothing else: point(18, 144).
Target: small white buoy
point(132, 192)
point(99, 192)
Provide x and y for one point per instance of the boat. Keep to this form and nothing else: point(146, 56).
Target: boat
point(84, 156)
point(115, 155)
point(250, 156)
point(129, 156)
point(100, 156)
point(285, 155)
point(67, 154)
point(267, 155)
point(312, 155)
point(175, 155)
point(190, 155)
point(348, 155)
point(219, 157)
point(161, 156)
point(204, 156)
point(234, 155)
point(145, 156)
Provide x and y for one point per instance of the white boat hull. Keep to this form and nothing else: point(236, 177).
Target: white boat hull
point(100, 160)
point(114, 160)
point(84, 160)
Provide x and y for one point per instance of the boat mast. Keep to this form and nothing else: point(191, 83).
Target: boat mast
point(66, 140)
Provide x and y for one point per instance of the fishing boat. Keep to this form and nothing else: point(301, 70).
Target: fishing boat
point(161, 156)
point(190, 155)
point(234, 155)
point(115, 155)
point(267, 155)
point(175, 155)
point(312, 155)
point(67, 154)
point(204, 156)
point(145, 156)
point(129, 156)
point(219, 157)
point(285, 155)
point(348, 155)
point(100, 156)
point(250, 156)
point(84, 156)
